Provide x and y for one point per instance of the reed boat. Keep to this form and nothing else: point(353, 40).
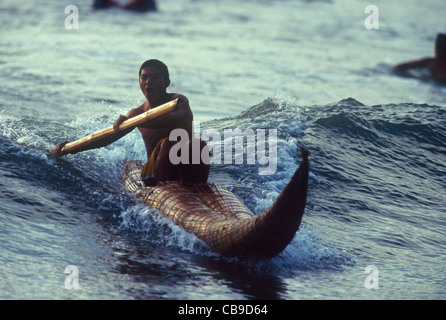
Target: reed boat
point(217, 217)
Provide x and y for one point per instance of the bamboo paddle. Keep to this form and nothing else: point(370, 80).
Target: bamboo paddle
point(108, 135)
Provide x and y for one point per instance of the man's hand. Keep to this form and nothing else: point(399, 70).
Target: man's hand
point(118, 122)
point(56, 151)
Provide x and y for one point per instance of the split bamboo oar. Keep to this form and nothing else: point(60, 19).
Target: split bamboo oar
point(108, 135)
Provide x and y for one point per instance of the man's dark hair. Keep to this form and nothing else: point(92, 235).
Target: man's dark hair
point(156, 64)
point(440, 44)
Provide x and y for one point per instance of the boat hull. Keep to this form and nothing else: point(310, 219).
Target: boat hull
point(220, 219)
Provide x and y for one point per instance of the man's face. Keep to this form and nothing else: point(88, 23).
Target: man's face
point(152, 83)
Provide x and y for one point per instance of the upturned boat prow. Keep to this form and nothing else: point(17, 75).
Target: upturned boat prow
point(220, 219)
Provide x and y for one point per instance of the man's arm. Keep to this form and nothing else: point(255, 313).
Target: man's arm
point(413, 64)
point(105, 141)
point(132, 113)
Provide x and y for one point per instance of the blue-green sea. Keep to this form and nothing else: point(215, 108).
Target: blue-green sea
point(375, 222)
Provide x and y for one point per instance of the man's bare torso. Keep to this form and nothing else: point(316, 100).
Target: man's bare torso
point(152, 134)
point(438, 69)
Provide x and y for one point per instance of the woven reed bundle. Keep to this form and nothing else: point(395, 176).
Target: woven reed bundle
point(220, 219)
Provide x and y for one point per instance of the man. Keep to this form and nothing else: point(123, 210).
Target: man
point(436, 65)
point(139, 5)
point(153, 81)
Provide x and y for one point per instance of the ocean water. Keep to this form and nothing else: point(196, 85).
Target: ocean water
point(375, 219)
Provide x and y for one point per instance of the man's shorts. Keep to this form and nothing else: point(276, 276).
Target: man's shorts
point(149, 167)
